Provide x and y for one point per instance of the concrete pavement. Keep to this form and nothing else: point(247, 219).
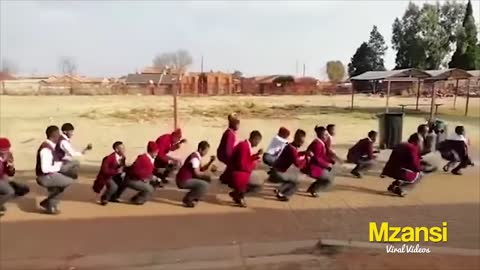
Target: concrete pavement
point(85, 229)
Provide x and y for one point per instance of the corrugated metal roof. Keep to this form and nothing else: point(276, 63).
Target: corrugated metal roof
point(390, 74)
point(451, 73)
point(474, 73)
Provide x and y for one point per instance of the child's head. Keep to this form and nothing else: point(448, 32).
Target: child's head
point(460, 130)
point(414, 139)
point(284, 133)
point(203, 148)
point(119, 148)
point(255, 138)
point(68, 129)
point(53, 133)
point(299, 137)
point(176, 135)
point(233, 121)
point(4, 146)
point(152, 149)
point(331, 129)
point(321, 132)
point(372, 135)
point(422, 129)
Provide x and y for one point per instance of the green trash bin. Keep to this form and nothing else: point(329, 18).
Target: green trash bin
point(390, 129)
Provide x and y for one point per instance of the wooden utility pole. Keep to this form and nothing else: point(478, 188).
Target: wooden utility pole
point(175, 94)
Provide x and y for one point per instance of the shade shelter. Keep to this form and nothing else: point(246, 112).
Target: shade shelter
point(475, 78)
point(410, 74)
point(444, 75)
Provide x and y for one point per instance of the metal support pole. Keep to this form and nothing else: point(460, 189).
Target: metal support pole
point(388, 96)
point(468, 97)
point(432, 103)
point(455, 97)
point(418, 94)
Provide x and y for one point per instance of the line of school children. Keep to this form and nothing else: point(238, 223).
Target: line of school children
point(56, 169)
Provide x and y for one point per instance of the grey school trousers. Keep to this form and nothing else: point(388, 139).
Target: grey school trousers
point(198, 188)
point(144, 188)
point(6, 191)
point(322, 183)
point(55, 183)
point(70, 168)
point(288, 181)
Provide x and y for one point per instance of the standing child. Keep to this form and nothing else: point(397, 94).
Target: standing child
point(227, 143)
point(111, 174)
point(276, 146)
point(67, 153)
point(8, 188)
point(140, 176)
point(241, 165)
point(195, 177)
point(281, 170)
point(166, 144)
point(320, 164)
point(48, 173)
point(362, 154)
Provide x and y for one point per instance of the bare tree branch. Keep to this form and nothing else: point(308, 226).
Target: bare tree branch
point(178, 61)
point(67, 65)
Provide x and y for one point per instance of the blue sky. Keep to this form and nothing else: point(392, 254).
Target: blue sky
point(255, 37)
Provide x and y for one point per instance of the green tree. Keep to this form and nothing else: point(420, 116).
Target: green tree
point(423, 37)
point(361, 61)
point(335, 71)
point(467, 52)
point(378, 48)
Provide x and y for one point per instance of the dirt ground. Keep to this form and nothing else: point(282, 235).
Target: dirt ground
point(342, 213)
point(101, 120)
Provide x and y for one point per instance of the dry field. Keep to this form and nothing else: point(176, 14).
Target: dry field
point(136, 119)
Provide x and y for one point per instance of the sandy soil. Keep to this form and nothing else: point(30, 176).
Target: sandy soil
point(136, 119)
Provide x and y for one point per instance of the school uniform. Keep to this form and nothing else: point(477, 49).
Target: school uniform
point(47, 170)
point(186, 179)
point(139, 177)
point(280, 170)
point(165, 144)
point(404, 166)
point(241, 165)
point(109, 176)
point(227, 143)
point(329, 142)
point(67, 154)
point(274, 149)
point(455, 150)
point(319, 166)
point(6, 190)
point(361, 154)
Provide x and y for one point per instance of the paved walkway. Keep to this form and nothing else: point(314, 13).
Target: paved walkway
point(85, 228)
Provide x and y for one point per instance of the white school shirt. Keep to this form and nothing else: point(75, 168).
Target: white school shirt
point(67, 147)
point(276, 146)
point(46, 160)
point(456, 137)
point(118, 158)
point(195, 161)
